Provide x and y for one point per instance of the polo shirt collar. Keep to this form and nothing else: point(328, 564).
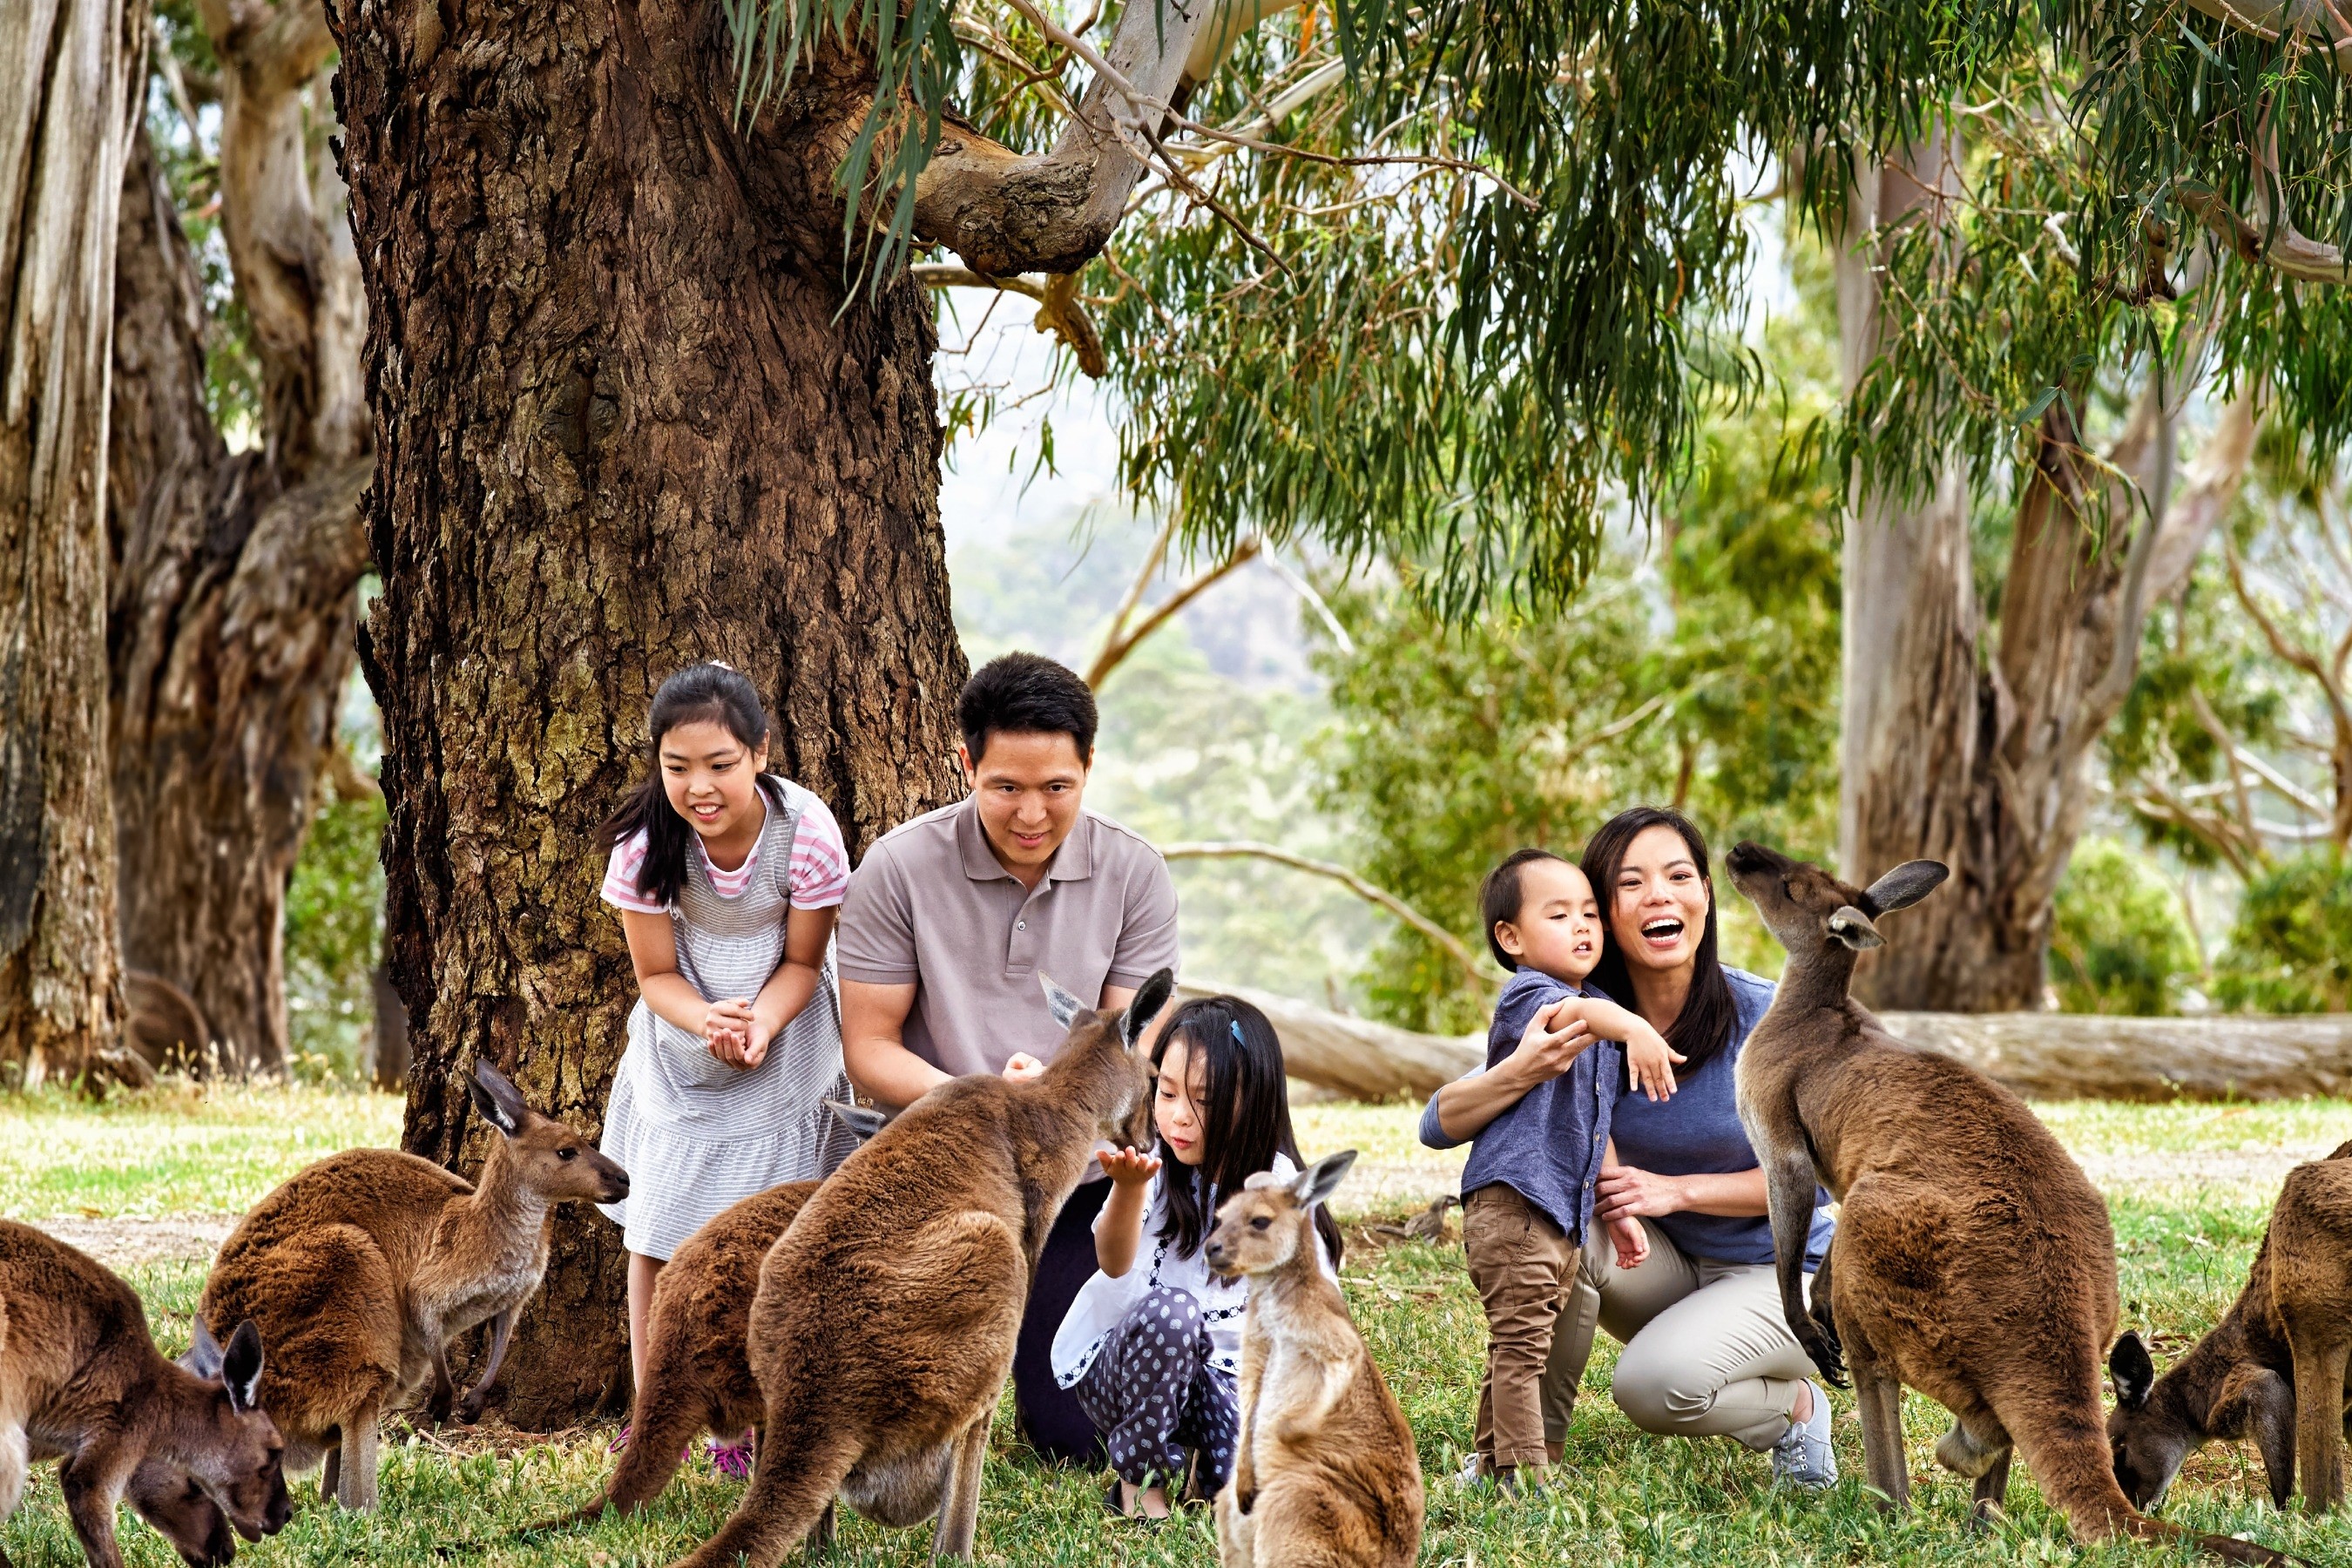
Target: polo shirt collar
point(1073, 862)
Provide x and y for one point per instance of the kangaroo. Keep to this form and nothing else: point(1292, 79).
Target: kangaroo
point(883, 1329)
point(1973, 1260)
point(697, 1363)
point(1325, 1475)
point(361, 1269)
point(81, 1380)
point(2272, 1369)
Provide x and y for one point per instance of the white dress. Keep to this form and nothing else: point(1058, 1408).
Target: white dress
point(695, 1134)
point(1102, 1301)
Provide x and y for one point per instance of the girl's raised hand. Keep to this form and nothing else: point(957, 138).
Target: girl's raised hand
point(1129, 1167)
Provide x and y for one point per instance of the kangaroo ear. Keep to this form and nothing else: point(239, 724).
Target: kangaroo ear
point(1151, 996)
point(1064, 1007)
point(499, 1101)
point(1316, 1182)
point(2133, 1372)
point(1852, 927)
point(861, 1119)
point(241, 1367)
point(203, 1357)
point(1905, 885)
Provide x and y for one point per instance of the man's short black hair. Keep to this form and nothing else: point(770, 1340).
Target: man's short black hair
point(1027, 693)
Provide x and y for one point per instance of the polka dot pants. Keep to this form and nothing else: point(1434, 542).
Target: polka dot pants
point(1154, 1396)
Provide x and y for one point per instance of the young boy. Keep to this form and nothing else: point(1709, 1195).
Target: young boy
point(1539, 1116)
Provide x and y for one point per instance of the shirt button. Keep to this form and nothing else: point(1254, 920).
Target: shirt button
point(1020, 925)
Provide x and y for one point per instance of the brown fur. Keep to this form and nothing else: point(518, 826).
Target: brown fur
point(361, 1269)
point(81, 1379)
point(883, 1327)
point(697, 1360)
point(1325, 1475)
point(2277, 1357)
point(1973, 1260)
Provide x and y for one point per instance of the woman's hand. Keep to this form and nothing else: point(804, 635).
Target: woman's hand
point(1127, 1167)
point(727, 1031)
point(1627, 1192)
point(1548, 1046)
point(1021, 1066)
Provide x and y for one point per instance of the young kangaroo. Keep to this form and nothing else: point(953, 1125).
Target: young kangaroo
point(2273, 1370)
point(697, 1363)
point(361, 1269)
point(81, 1380)
point(1973, 1260)
point(1325, 1475)
point(883, 1327)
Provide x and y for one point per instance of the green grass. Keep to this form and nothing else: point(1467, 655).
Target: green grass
point(2189, 1186)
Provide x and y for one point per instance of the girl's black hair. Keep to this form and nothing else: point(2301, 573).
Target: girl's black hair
point(1709, 1011)
point(699, 694)
point(1499, 899)
point(1245, 1109)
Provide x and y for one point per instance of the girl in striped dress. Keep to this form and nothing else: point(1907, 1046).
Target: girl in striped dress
point(727, 879)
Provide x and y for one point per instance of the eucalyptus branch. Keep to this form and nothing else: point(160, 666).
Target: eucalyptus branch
point(1439, 937)
point(1059, 310)
point(1120, 642)
point(2283, 250)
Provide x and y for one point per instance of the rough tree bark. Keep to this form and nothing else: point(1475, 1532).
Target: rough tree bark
point(1970, 744)
point(236, 575)
point(625, 418)
point(67, 103)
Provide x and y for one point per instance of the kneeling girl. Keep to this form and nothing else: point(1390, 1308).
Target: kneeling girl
point(1152, 1344)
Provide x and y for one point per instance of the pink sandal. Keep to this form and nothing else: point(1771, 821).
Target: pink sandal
point(733, 1460)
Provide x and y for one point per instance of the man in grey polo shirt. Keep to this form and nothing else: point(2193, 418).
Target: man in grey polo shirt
point(949, 921)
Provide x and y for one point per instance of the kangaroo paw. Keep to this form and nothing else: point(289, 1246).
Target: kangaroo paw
point(1828, 1357)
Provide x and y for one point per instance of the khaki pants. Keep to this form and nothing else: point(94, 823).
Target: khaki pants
point(1707, 1352)
point(1540, 1310)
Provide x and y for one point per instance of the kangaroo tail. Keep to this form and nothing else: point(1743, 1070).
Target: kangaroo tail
point(664, 1420)
point(792, 1486)
point(2072, 1466)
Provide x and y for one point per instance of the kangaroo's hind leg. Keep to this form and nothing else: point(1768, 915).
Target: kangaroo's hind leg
point(1879, 1397)
point(357, 1471)
point(960, 1505)
point(2320, 1361)
point(1984, 1460)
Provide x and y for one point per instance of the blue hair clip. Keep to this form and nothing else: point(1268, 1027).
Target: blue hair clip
point(1236, 1027)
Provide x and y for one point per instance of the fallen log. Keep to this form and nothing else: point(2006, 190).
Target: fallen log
point(2077, 1056)
point(2042, 1056)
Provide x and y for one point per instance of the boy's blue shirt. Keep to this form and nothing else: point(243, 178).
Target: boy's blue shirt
point(1548, 1147)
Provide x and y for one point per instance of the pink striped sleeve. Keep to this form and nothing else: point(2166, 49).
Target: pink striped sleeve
point(819, 875)
point(621, 877)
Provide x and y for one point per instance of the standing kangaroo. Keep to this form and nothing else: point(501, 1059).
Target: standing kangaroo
point(697, 1359)
point(81, 1380)
point(1973, 1260)
point(1325, 1475)
point(361, 1269)
point(883, 1327)
point(2272, 1369)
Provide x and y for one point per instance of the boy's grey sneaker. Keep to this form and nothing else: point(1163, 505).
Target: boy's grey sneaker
point(1802, 1458)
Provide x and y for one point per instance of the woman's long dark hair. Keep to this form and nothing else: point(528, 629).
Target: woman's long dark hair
point(1709, 1013)
point(1244, 1109)
point(699, 694)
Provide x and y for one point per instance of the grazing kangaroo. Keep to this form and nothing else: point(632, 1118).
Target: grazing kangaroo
point(697, 1363)
point(1973, 1260)
point(2272, 1369)
point(81, 1380)
point(361, 1269)
point(1325, 1475)
point(883, 1327)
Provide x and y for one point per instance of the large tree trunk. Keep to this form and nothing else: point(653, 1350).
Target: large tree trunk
point(1968, 748)
point(623, 422)
point(68, 101)
point(235, 573)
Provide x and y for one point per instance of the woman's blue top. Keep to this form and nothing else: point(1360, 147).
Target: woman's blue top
point(1698, 1132)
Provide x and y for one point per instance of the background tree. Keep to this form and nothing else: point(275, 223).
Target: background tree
point(235, 573)
point(68, 102)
